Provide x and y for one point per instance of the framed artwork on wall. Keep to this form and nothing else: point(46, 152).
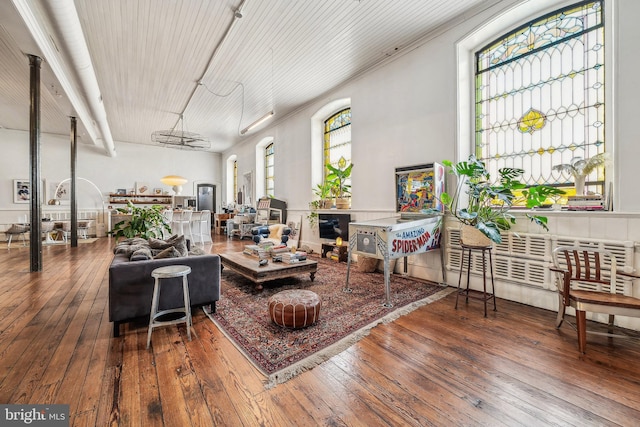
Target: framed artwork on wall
point(60, 190)
point(142, 188)
point(21, 191)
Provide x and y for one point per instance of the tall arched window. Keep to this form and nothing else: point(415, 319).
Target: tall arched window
point(235, 181)
point(337, 138)
point(539, 96)
point(269, 178)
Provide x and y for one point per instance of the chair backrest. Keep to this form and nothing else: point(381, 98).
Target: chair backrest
point(184, 215)
point(587, 268)
point(205, 215)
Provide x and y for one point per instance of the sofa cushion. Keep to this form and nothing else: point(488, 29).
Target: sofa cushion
point(141, 254)
point(175, 241)
point(170, 252)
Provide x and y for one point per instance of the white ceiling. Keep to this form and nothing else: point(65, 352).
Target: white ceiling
point(155, 59)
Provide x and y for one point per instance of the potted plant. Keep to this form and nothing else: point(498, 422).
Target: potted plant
point(145, 222)
point(337, 178)
point(312, 217)
point(323, 191)
point(580, 168)
point(487, 209)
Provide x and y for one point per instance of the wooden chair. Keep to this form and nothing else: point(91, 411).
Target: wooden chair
point(589, 282)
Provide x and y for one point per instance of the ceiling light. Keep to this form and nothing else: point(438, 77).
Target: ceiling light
point(258, 122)
point(179, 138)
point(175, 181)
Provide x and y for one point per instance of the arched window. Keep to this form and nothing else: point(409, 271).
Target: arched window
point(235, 181)
point(539, 96)
point(337, 138)
point(269, 178)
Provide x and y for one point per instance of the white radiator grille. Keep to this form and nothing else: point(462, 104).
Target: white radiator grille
point(525, 258)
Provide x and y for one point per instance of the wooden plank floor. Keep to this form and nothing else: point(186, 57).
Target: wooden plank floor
point(436, 366)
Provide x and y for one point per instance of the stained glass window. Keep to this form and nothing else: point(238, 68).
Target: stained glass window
point(269, 178)
point(235, 181)
point(540, 96)
point(337, 138)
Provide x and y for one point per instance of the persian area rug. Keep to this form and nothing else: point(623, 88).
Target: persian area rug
point(242, 314)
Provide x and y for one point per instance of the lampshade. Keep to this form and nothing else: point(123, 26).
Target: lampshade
point(175, 181)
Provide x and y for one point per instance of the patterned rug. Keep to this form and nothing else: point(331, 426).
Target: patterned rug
point(282, 353)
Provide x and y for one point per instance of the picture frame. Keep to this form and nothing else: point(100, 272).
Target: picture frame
point(294, 224)
point(61, 190)
point(157, 191)
point(121, 191)
point(142, 188)
point(21, 191)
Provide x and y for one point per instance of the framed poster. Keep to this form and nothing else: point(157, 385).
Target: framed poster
point(21, 191)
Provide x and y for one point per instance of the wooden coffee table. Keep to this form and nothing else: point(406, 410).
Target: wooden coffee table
point(247, 266)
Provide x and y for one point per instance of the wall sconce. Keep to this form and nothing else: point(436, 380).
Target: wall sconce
point(175, 181)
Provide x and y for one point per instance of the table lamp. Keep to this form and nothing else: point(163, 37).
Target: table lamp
point(175, 181)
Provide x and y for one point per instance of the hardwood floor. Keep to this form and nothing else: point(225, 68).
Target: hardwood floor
point(436, 366)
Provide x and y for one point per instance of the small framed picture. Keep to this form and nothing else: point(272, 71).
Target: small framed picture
point(121, 191)
point(21, 191)
point(142, 188)
point(157, 191)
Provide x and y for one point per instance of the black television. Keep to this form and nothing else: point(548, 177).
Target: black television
point(333, 225)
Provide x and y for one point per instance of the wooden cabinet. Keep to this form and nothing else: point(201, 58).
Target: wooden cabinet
point(140, 199)
point(220, 222)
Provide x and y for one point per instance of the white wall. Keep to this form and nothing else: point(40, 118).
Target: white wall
point(133, 163)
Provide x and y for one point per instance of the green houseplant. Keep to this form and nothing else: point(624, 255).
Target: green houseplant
point(145, 222)
point(337, 178)
point(489, 202)
point(323, 191)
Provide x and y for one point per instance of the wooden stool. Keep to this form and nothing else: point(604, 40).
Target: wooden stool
point(168, 272)
point(470, 293)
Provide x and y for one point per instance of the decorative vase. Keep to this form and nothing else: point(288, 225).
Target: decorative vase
point(471, 236)
point(580, 179)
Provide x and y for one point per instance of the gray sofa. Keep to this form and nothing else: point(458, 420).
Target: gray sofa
point(131, 286)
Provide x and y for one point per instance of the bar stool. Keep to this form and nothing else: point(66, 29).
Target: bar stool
point(194, 226)
point(204, 227)
point(168, 272)
point(470, 293)
point(182, 220)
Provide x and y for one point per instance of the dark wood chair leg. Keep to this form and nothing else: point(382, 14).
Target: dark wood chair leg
point(581, 322)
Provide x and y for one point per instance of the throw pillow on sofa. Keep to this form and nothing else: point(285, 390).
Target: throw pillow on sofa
point(170, 252)
point(141, 254)
point(175, 241)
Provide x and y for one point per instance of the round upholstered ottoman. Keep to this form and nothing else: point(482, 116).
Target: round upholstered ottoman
point(294, 308)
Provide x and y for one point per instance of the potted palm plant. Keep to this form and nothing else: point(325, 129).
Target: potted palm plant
point(337, 178)
point(581, 168)
point(488, 205)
